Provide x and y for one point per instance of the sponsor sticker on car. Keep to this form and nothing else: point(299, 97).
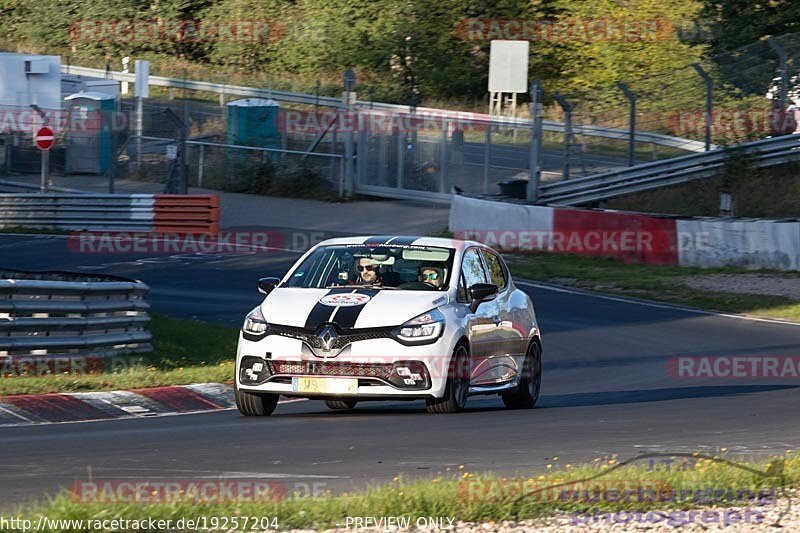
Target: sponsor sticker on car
point(344, 300)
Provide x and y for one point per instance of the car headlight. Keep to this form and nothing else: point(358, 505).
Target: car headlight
point(427, 327)
point(255, 323)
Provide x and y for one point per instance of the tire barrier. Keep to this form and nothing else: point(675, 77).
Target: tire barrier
point(63, 314)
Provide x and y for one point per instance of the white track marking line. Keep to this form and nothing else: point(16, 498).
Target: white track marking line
point(622, 299)
point(12, 413)
point(135, 417)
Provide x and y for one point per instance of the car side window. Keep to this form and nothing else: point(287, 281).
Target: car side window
point(497, 274)
point(472, 272)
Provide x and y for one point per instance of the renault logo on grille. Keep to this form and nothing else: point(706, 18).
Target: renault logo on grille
point(327, 336)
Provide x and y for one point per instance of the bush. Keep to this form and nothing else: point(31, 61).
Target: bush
point(290, 179)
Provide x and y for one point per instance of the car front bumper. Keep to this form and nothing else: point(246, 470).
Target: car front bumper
point(376, 363)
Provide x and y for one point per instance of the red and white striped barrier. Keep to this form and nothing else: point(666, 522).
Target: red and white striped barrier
point(629, 237)
point(160, 213)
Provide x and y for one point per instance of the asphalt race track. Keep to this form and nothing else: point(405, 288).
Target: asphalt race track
point(606, 390)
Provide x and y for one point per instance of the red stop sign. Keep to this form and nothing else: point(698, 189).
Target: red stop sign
point(44, 138)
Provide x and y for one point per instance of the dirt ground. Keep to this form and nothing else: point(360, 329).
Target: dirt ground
point(771, 284)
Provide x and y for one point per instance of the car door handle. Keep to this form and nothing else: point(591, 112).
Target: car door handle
point(496, 319)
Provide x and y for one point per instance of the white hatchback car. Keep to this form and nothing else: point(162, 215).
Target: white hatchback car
point(376, 318)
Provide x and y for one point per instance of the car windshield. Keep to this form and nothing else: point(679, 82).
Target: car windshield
point(387, 267)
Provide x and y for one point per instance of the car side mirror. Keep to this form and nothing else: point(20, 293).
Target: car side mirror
point(481, 292)
point(267, 285)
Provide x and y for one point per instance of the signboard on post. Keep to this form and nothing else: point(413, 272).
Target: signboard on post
point(44, 138)
point(141, 87)
point(508, 74)
point(508, 66)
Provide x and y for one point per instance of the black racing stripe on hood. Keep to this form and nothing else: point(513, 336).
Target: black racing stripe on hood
point(320, 312)
point(377, 240)
point(404, 240)
point(346, 317)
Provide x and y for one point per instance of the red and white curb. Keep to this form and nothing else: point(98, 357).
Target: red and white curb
point(136, 403)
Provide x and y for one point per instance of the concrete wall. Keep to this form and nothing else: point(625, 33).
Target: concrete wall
point(630, 237)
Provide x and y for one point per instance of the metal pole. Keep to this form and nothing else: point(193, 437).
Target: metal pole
point(349, 78)
point(535, 159)
point(631, 122)
point(200, 165)
point(709, 101)
point(362, 154)
point(139, 128)
point(567, 108)
point(443, 155)
point(45, 170)
point(486, 153)
point(783, 58)
point(348, 163)
point(401, 154)
point(184, 135)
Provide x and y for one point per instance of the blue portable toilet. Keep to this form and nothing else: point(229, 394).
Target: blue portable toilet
point(90, 136)
point(254, 122)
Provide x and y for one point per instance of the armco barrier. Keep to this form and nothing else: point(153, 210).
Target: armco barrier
point(62, 313)
point(630, 237)
point(119, 212)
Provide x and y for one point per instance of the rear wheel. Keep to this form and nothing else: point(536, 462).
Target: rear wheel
point(526, 394)
point(455, 394)
point(341, 405)
point(252, 404)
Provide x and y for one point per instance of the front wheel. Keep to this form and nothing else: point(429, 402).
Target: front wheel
point(526, 394)
point(455, 393)
point(251, 404)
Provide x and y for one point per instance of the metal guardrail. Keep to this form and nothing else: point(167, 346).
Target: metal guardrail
point(61, 313)
point(659, 174)
point(111, 212)
point(77, 211)
point(312, 99)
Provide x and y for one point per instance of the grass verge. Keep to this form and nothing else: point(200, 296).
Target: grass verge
point(676, 484)
point(184, 351)
point(662, 283)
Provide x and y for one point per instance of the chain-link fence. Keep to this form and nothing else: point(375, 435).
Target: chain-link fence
point(181, 138)
point(743, 95)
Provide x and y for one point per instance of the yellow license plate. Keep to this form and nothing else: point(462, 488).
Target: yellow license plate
point(325, 385)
